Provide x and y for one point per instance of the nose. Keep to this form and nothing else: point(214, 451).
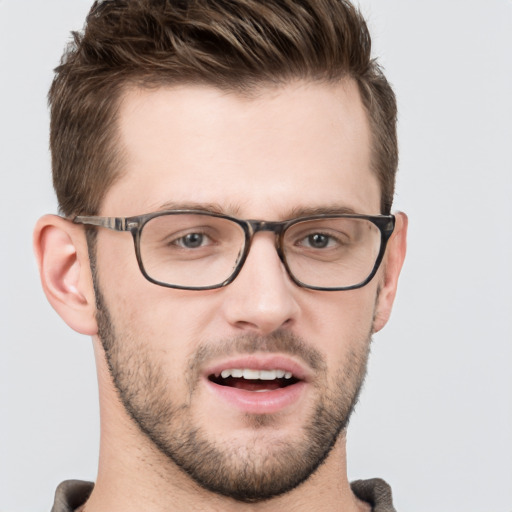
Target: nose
point(262, 298)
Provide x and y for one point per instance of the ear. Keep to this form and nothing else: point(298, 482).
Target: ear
point(61, 252)
point(394, 259)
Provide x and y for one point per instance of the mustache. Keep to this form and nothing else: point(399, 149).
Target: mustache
point(283, 342)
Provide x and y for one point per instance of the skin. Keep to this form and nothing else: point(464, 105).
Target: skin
point(268, 156)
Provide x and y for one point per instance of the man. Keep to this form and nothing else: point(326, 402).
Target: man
point(225, 173)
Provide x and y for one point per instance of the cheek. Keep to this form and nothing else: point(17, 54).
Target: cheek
point(149, 343)
point(342, 322)
point(167, 323)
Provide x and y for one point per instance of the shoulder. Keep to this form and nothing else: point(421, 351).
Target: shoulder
point(71, 494)
point(376, 492)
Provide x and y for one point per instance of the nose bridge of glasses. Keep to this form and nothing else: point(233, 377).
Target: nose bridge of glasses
point(264, 225)
point(275, 227)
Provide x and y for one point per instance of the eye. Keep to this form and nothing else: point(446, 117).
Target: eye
point(318, 241)
point(192, 241)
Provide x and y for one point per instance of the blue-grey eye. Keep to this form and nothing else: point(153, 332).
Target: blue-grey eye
point(192, 240)
point(318, 241)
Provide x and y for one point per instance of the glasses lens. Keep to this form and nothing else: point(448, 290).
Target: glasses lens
point(190, 250)
point(332, 252)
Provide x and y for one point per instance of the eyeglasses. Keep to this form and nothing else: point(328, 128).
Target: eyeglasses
point(196, 250)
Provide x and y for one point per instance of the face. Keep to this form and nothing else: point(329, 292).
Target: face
point(281, 153)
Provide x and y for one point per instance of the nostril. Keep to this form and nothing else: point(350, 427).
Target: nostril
point(263, 325)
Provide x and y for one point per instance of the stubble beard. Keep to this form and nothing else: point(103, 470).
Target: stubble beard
point(248, 473)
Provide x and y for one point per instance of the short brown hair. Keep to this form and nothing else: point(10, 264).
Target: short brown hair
point(231, 44)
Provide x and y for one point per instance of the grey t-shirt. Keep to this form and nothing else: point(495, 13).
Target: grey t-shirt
point(71, 494)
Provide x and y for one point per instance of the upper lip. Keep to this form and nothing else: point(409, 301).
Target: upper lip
point(260, 362)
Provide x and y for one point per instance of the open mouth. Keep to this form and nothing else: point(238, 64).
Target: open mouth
point(254, 380)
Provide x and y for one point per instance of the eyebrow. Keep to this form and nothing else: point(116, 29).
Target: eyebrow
point(234, 210)
point(310, 211)
point(231, 209)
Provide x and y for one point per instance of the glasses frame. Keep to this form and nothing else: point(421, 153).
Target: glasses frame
point(135, 225)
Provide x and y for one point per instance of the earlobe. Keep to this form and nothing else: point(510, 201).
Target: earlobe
point(392, 265)
point(61, 252)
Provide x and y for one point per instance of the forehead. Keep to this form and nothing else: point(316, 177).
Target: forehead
point(279, 149)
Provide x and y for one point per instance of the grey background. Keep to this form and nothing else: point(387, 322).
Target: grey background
point(435, 418)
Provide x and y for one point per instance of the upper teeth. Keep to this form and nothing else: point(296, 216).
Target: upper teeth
point(247, 373)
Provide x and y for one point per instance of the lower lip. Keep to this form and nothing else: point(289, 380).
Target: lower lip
point(254, 402)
